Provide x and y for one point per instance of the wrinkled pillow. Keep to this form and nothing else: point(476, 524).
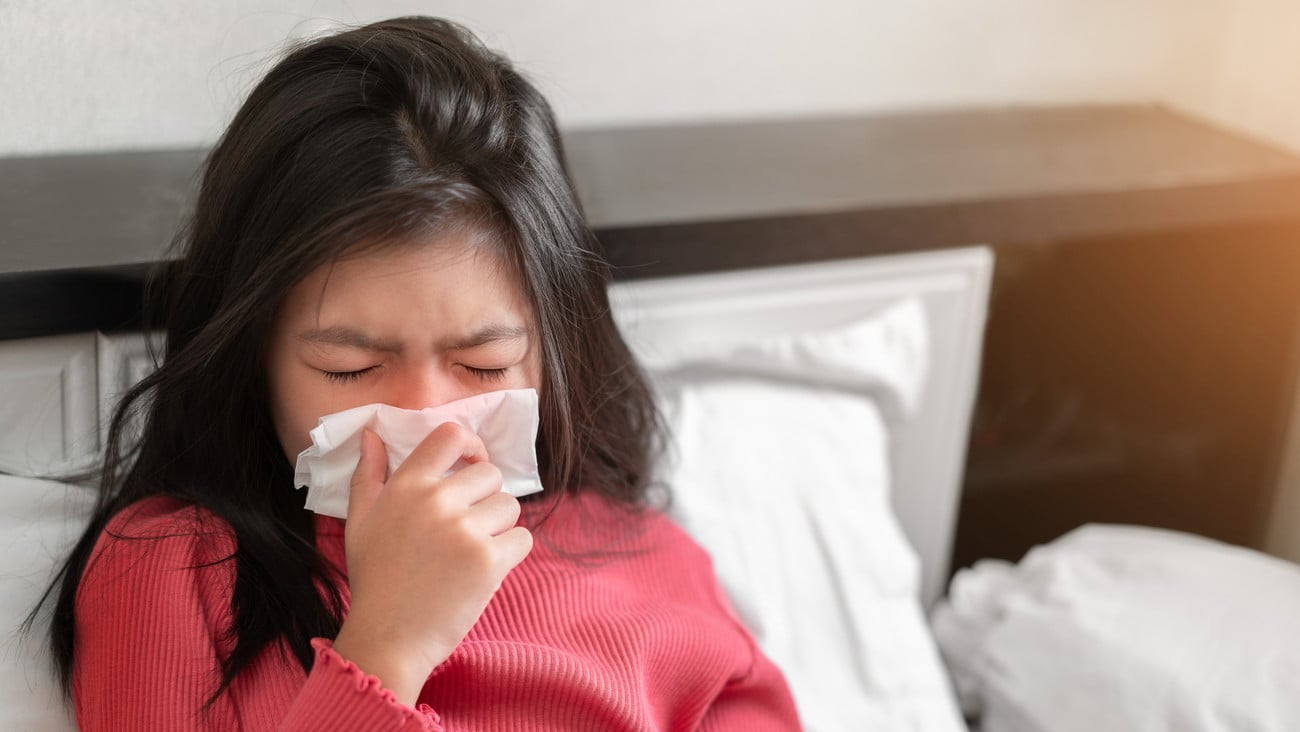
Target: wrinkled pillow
point(779, 467)
point(1124, 628)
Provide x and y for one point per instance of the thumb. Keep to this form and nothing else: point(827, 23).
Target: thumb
point(368, 479)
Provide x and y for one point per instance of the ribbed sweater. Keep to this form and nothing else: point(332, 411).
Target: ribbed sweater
point(615, 621)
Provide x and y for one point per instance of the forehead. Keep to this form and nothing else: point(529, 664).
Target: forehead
point(445, 280)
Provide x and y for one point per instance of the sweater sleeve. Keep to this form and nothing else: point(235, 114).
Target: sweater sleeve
point(152, 612)
point(338, 695)
point(758, 701)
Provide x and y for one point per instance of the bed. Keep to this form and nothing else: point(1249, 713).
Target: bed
point(818, 378)
point(889, 411)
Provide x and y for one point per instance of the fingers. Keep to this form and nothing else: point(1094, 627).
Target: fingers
point(512, 546)
point(450, 447)
point(424, 476)
point(468, 486)
point(368, 478)
point(442, 449)
point(494, 514)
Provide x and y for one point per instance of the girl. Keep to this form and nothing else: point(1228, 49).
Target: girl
point(388, 219)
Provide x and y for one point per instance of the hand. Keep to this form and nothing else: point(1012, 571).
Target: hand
point(425, 554)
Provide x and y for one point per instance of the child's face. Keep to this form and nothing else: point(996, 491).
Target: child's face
point(412, 326)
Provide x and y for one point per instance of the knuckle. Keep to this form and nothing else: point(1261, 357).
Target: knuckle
point(443, 505)
point(483, 473)
point(491, 472)
point(455, 434)
point(449, 431)
point(463, 436)
point(512, 506)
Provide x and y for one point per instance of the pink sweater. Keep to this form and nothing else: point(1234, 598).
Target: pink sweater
point(640, 638)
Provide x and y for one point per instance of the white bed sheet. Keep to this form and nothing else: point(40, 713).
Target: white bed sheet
point(39, 521)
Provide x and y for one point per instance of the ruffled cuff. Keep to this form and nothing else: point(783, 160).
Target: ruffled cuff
point(338, 695)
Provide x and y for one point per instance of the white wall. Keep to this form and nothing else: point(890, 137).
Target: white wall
point(98, 74)
point(1253, 85)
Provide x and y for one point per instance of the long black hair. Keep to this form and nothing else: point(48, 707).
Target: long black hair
point(384, 133)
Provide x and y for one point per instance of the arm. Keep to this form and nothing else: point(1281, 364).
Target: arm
point(759, 700)
point(151, 615)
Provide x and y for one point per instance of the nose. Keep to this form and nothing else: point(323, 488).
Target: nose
point(420, 388)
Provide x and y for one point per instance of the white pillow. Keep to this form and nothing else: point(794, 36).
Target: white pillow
point(780, 470)
point(39, 522)
point(1126, 628)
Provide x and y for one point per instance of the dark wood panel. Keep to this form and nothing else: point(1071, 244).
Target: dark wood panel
point(80, 212)
point(1142, 379)
point(669, 249)
point(72, 301)
point(675, 175)
point(681, 199)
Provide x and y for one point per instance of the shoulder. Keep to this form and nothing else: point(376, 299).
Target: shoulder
point(156, 535)
point(152, 610)
point(167, 521)
point(631, 537)
point(590, 522)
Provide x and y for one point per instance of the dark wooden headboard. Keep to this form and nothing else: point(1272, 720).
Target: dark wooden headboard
point(78, 233)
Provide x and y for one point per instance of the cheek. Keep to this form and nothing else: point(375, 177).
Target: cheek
point(292, 426)
point(300, 396)
point(293, 407)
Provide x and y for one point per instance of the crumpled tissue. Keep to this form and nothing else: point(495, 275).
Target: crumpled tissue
point(506, 421)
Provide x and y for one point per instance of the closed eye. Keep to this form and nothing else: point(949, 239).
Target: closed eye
point(346, 377)
point(487, 374)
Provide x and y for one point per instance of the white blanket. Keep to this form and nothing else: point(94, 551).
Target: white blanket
point(1122, 628)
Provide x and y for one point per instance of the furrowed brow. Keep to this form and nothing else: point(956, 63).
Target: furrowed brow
point(488, 334)
point(340, 336)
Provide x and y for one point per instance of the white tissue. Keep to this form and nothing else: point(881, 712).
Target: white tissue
point(506, 421)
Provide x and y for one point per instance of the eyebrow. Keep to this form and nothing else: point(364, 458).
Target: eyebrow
point(487, 334)
point(341, 336)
